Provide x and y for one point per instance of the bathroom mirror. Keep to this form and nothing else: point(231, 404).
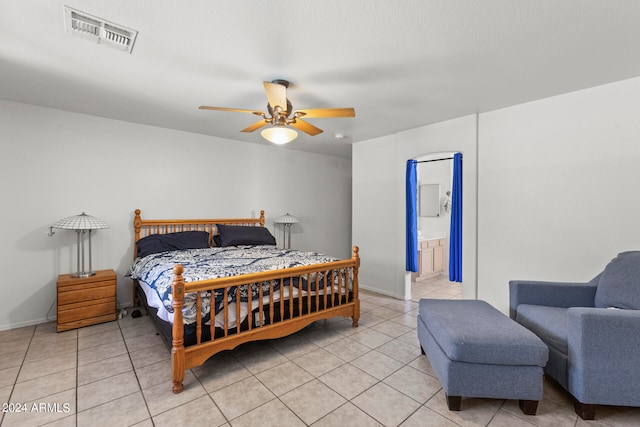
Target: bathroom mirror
point(429, 200)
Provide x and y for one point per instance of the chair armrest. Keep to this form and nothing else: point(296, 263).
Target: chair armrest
point(603, 348)
point(551, 294)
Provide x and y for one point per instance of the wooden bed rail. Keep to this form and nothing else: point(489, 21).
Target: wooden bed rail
point(336, 293)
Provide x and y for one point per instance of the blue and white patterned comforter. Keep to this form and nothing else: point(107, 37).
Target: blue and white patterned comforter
point(156, 270)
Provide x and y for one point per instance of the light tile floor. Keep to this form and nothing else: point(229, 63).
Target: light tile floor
point(329, 374)
point(438, 287)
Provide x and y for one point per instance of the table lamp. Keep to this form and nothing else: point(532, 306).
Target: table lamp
point(82, 224)
point(287, 220)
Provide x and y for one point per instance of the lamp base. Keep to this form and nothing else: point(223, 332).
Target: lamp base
point(83, 274)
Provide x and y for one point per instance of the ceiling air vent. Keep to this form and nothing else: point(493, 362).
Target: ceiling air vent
point(80, 24)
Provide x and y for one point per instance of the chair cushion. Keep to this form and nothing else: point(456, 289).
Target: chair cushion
point(473, 331)
point(619, 284)
point(548, 323)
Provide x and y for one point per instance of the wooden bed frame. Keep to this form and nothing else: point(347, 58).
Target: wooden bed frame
point(339, 298)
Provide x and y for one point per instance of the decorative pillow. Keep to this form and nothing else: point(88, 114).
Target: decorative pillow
point(619, 284)
point(172, 242)
point(233, 235)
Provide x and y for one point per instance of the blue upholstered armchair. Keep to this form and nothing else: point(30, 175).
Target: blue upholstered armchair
point(592, 330)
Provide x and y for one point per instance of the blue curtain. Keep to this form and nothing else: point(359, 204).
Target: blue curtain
point(455, 243)
point(412, 216)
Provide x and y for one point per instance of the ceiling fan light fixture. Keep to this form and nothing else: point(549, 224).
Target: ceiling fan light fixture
point(279, 135)
point(280, 118)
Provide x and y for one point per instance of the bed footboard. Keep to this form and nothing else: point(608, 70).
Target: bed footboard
point(289, 300)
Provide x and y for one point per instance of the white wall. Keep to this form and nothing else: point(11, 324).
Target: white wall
point(55, 164)
point(379, 168)
point(558, 187)
point(556, 198)
point(375, 221)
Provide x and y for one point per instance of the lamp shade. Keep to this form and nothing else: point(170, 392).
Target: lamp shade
point(279, 134)
point(287, 219)
point(80, 222)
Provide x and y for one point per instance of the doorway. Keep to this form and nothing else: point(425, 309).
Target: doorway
point(435, 184)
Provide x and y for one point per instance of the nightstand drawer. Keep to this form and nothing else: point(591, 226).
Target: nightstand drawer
point(83, 311)
point(86, 294)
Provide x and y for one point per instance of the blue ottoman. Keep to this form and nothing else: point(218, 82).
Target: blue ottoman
point(476, 351)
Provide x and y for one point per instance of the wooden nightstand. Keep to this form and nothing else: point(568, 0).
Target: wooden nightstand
point(86, 301)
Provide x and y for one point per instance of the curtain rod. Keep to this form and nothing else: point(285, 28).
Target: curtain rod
point(434, 160)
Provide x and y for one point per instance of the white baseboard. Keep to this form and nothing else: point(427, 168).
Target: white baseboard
point(381, 292)
point(23, 324)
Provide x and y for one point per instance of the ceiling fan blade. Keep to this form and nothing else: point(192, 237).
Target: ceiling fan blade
point(233, 110)
point(306, 127)
point(276, 94)
point(256, 125)
point(327, 112)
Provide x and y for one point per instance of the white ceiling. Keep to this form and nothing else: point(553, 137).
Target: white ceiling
point(400, 64)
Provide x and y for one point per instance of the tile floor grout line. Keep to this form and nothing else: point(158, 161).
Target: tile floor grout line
point(104, 403)
point(135, 373)
point(13, 386)
point(316, 378)
point(210, 397)
point(77, 379)
point(78, 385)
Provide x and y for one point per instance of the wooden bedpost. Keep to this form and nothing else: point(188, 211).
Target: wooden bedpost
point(356, 299)
point(262, 218)
point(177, 350)
point(137, 223)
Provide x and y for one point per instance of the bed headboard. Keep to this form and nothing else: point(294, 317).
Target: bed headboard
point(146, 227)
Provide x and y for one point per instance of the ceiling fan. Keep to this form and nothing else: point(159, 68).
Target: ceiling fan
point(280, 115)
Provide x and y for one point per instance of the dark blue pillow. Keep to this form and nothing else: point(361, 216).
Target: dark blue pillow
point(619, 284)
point(172, 242)
point(234, 235)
